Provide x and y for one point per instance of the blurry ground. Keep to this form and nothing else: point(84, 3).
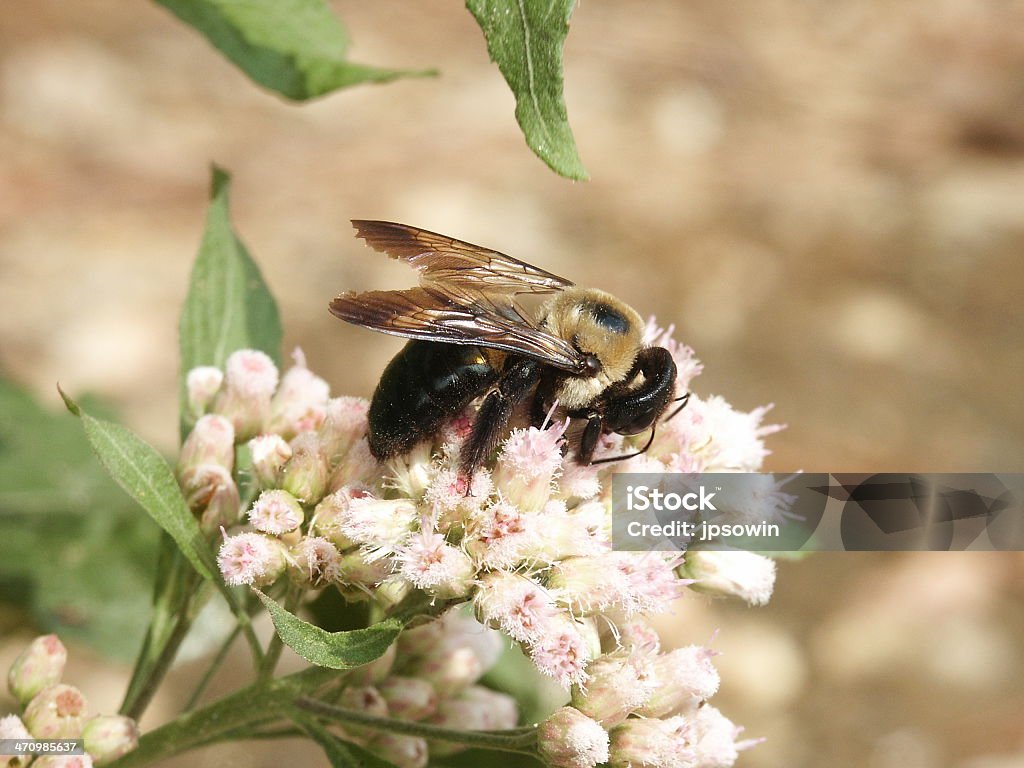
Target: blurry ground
point(826, 199)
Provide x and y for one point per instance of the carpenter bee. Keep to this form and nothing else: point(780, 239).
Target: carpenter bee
point(470, 337)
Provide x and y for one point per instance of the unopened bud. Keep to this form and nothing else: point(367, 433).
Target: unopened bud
point(474, 709)
point(644, 741)
point(211, 441)
point(619, 684)
point(56, 712)
point(202, 384)
point(681, 680)
point(400, 751)
point(223, 509)
point(363, 698)
point(449, 671)
point(423, 639)
point(570, 739)
point(199, 484)
point(301, 401)
point(269, 455)
point(734, 573)
point(343, 425)
point(391, 592)
point(363, 574)
point(250, 381)
point(305, 474)
point(409, 698)
point(40, 665)
point(107, 737)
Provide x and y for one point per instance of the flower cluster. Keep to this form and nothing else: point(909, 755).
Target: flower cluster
point(54, 710)
point(525, 541)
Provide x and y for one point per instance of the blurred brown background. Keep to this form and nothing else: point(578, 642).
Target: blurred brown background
point(827, 199)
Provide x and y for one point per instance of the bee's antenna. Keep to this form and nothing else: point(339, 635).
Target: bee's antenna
point(650, 441)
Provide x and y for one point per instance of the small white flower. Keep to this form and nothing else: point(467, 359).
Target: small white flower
point(746, 575)
point(251, 558)
point(431, 564)
point(301, 401)
point(276, 512)
point(570, 739)
point(202, 384)
point(269, 455)
point(380, 526)
point(514, 604)
point(316, 561)
point(561, 652)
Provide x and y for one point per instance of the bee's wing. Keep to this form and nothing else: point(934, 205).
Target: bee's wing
point(444, 260)
point(437, 314)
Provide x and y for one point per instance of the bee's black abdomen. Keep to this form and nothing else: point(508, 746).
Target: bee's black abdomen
point(425, 385)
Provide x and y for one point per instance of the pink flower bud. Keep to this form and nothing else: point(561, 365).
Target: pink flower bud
point(357, 467)
point(429, 563)
point(11, 727)
point(362, 573)
point(315, 562)
point(199, 484)
point(56, 712)
point(682, 679)
point(400, 751)
point(655, 743)
point(108, 737)
point(653, 583)
point(562, 652)
point(269, 455)
point(619, 684)
point(570, 739)
point(252, 558)
point(462, 630)
point(423, 639)
point(202, 384)
point(634, 634)
point(40, 665)
point(344, 424)
point(409, 698)
point(250, 381)
point(449, 671)
point(305, 474)
point(276, 512)
point(211, 441)
point(477, 709)
point(514, 604)
point(223, 508)
point(746, 575)
point(530, 460)
point(363, 698)
point(300, 404)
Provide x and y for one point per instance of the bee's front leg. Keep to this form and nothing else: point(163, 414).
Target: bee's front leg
point(512, 387)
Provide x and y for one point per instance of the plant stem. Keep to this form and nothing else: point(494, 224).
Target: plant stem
point(520, 740)
point(276, 645)
point(212, 669)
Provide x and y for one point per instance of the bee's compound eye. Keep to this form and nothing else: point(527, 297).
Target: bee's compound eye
point(592, 365)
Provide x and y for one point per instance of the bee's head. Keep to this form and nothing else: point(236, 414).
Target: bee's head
point(601, 326)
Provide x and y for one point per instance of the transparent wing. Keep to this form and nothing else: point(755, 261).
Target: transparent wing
point(434, 313)
point(444, 260)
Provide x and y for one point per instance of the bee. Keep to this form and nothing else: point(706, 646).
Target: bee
point(470, 338)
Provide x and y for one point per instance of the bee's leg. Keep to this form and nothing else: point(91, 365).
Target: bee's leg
point(543, 398)
point(512, 387)
point(588, 440)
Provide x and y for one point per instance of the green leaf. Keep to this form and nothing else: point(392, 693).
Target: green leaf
point(337, 650)
point(294, 47)
point(144, 475)
point(228, 306)
point(341, 754)
point(525, 39)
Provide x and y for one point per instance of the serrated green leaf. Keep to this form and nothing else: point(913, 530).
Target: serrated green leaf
point(341, 754)
point(337, 650)
point(144, 475)
point(228, 306)
point(294, 47)
point(525, 39)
